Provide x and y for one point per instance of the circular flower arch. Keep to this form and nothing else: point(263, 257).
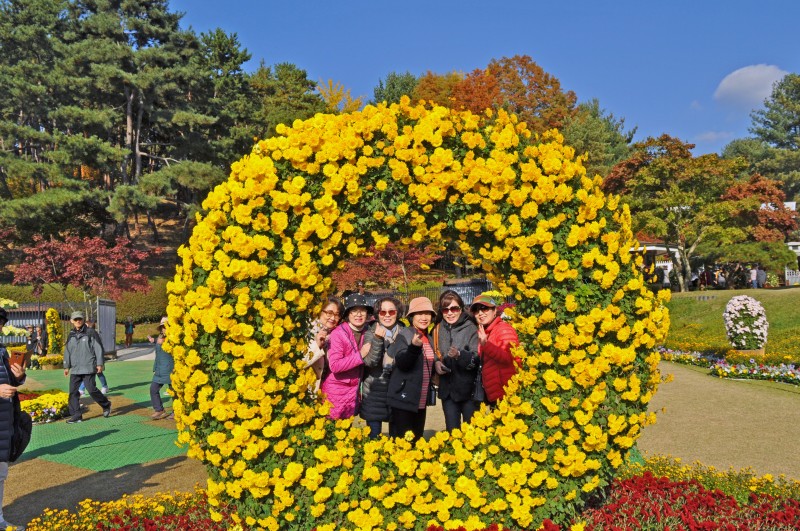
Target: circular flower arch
point(260, 261)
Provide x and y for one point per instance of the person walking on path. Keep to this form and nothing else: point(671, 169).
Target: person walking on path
point(101, 376)
point(11, 377)
point(83, 358)
point(129, 332)
point(162, 374)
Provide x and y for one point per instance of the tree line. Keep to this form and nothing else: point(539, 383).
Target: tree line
point(112, 113)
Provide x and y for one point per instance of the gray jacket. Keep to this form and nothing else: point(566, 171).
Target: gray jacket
point(84, 351)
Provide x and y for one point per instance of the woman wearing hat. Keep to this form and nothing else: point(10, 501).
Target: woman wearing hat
point(162, 375)
point(340, 380)
point(495, 338)
point(455, 342)
point(377, 340)
point(411, 379)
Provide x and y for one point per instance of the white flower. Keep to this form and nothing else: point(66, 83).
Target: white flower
point(746, 323)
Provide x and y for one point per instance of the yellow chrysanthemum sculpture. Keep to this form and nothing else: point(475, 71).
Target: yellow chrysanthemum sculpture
point(260, 261)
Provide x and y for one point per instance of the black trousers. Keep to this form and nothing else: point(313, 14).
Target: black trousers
point(403, 421)
point(454, 412)
point(75, 381)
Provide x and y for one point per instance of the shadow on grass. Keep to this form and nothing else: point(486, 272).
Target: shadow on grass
point(66, 446)
point(99, 486)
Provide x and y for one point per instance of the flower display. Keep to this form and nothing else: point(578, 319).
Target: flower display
point(522, 209)
point(8, 304)
point(13, 331)
point(47, 406)
point(746, 323)
point(55, 333)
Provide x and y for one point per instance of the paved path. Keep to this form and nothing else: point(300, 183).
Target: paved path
point(718, 422)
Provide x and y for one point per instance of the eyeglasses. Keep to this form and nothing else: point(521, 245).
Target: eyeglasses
point(384, 313)
point(479, 309)
point(452, 309)
point(330, 315)
point(358, 310)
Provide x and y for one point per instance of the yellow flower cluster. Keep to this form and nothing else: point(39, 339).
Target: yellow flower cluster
point(55, 334)
point(523, 209)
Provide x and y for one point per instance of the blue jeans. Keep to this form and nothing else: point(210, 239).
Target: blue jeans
point(455, 411)
point(375, 428)
point(103, 382)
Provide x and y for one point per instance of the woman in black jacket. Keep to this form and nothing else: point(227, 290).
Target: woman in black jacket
point(11, 377)
point(412, 377)
point(377, 363)
point(455, 342)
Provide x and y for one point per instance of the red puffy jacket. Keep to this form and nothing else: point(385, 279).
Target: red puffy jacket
point(498, 363)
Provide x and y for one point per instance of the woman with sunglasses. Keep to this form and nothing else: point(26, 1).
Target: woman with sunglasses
point(495, 339)
point(317, 339)
point(340, 381)
point(378, 365)
point(455, 343)
point(411, 381)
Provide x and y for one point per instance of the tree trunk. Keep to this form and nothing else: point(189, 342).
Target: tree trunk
point(137, 151)
point(129, 95)
point(152, 225)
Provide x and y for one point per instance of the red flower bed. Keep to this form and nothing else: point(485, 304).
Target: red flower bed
point(30, 395)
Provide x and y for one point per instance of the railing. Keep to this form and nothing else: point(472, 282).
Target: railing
point(792, 277)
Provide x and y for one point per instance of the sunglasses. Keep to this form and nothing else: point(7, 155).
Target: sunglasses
point(329, 314)
point(452, 309)
point(384, 313)
point(479, 309)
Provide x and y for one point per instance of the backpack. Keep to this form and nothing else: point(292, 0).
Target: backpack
point(23, 426)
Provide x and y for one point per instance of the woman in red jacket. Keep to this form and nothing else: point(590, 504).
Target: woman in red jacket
point(495, 339)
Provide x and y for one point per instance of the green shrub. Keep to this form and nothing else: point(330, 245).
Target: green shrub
point(144, 307)
point(24, 294)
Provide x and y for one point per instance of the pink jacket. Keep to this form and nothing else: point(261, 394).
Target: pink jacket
point(340, 385)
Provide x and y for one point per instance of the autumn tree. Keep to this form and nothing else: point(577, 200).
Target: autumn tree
point(437, 88)
point(392, 267)
point(677, 197)
point(89, 264)
point(520, 86)
point(762, 212)
point(337, 98)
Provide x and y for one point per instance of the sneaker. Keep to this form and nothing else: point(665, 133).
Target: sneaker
point(107, 412)
point(171, 416)
point(161, 415)
point(104, 390)
point(70, 421)
point(156, 415)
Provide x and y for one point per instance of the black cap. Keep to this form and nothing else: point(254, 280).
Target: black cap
point(353, 301)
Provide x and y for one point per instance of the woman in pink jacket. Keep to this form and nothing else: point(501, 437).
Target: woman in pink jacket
point(341, 379)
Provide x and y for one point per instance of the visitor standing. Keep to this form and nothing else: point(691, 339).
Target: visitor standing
point(11, 377)
point(411, 383)
point(341, 379)
point(129, 327)
point(162, 375)
point(375, 384)
point(83, 358)
point(761, 277)
point(754, 276)
point(318, 335)
point(496, 338)
point(32, 343)
point(455, 343)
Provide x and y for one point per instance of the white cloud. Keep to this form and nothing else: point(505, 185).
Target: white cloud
point(713, 136)
point(748, 87)
point(696, 105)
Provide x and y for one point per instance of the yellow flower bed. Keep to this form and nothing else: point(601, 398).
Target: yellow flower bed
point(260, 260)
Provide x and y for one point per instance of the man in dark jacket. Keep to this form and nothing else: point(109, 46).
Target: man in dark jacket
point(84, 356)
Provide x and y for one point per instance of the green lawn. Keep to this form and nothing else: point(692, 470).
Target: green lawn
point(697, 323)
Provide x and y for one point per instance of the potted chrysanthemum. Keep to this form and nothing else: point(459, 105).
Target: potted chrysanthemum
point(746, 325)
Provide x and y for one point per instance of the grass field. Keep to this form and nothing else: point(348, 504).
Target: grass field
point(697, 320)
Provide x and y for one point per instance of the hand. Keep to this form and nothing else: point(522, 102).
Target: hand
point(18, 371)
point(322, 335)
point(66, 372)
point(482, 335)
point(417, 339)
point(441, 368)
point(453, 352)
point(7, 391)
point(99, 369)
point(151, 339)
point(380, 331)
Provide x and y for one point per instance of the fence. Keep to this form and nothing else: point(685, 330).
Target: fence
point(33, 313)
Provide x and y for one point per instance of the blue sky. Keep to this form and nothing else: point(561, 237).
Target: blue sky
point(692, 69)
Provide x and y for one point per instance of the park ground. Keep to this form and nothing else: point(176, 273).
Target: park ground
point(720, 423)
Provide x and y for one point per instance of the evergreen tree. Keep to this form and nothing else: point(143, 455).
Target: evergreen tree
point(285, 94)
point(395, 87)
